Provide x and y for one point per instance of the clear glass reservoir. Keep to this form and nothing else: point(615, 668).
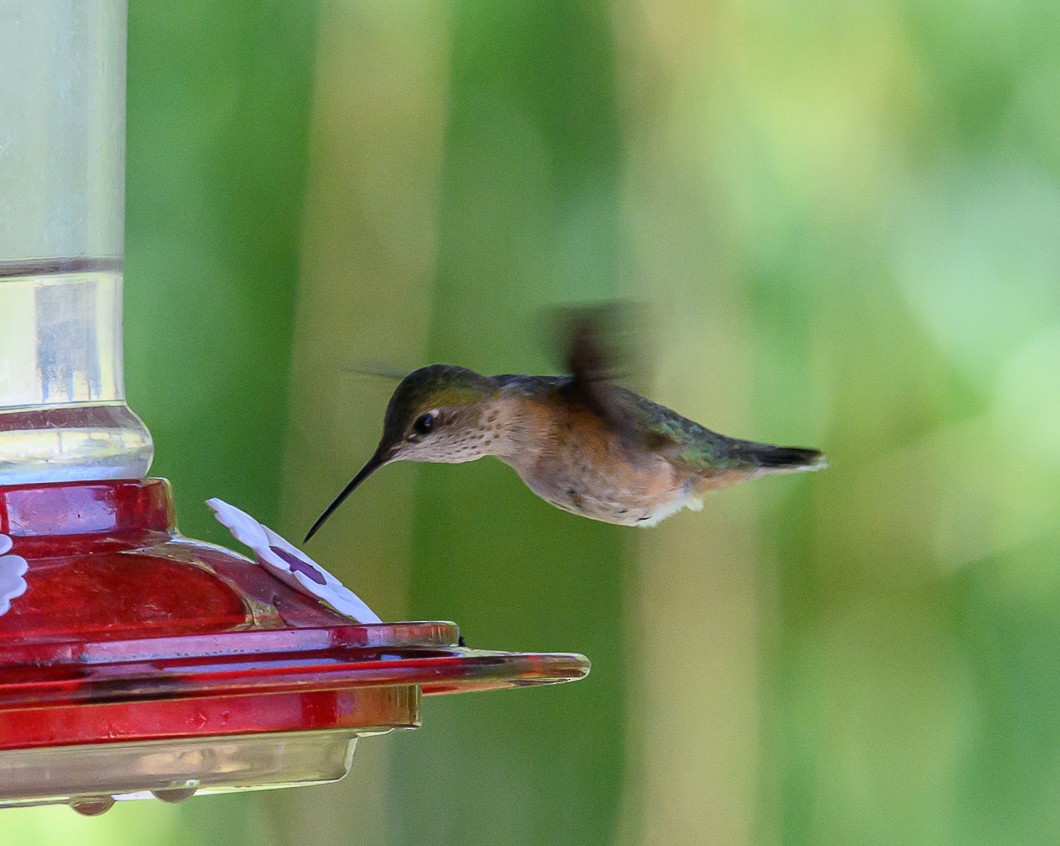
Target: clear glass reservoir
point(63, 415)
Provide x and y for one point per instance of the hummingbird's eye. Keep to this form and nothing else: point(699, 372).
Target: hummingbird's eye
point(423, 424)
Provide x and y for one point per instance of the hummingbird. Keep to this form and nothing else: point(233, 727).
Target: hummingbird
point(580, 441)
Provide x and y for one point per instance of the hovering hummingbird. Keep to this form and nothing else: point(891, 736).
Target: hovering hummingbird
point(580, 442)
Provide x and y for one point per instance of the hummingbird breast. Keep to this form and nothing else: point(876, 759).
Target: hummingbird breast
point(572, 459)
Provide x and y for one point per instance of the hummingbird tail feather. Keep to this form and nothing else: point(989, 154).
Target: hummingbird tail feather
point(780, 459)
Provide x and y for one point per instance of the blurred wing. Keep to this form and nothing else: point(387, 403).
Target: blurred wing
point(375, 370)
point(590, 366)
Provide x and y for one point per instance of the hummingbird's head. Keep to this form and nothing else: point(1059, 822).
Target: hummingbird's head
point(437, 413)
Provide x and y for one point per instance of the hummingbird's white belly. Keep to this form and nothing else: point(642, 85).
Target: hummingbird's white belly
point(690, 501)
point(613, 492)
point(622, 506)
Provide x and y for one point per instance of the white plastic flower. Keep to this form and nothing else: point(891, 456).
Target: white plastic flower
point(290, 564)
point(12, 569)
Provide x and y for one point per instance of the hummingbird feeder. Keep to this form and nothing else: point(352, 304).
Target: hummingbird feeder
point(135, 662)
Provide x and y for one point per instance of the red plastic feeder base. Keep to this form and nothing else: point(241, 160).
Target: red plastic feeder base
point(141, 663)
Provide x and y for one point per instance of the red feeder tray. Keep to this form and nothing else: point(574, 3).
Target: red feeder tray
point(140, 663)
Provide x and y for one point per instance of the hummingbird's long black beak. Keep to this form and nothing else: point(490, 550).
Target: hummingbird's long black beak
point(374, 463)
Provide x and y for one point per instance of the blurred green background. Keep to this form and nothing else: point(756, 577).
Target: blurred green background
point(845, 218)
